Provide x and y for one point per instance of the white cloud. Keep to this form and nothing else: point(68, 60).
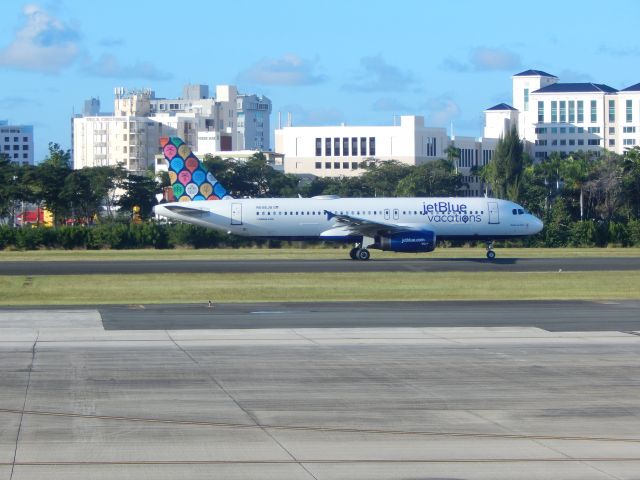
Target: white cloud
point(482, 59)
point(376, 75)
point(43, 44)
point(109, 66)
point(289, 69)
point(388, 104)
point(441, 111)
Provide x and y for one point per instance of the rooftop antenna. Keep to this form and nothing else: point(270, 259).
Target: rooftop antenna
point(279, 120)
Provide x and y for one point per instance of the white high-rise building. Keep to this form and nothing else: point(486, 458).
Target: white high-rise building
point(131, 135)
point(16, 142)
point(565, 117)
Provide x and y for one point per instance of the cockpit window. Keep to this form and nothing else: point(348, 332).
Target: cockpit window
point(514, 211)
point(520, 211)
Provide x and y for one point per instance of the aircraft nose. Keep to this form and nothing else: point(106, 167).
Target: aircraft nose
point(536, 224)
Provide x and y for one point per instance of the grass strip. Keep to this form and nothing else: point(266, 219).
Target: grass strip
point(310, 253)
point(301, 287)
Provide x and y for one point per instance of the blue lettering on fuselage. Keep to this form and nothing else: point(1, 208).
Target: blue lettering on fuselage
point(449, 212)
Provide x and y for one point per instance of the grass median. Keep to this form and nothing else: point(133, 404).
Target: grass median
point(303, 287)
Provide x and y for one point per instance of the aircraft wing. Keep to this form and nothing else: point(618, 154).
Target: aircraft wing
point(368, 228)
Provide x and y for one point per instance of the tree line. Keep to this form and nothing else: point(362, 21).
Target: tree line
point(584, 198)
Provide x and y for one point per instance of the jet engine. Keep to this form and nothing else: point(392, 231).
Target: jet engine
point(408, 241)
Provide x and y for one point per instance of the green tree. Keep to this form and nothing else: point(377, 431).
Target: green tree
point(575, 170)
point(139, 191)
point(504, 171)
point(51, 175)
point(431, 179)
point(631, 176)
point(453, 155)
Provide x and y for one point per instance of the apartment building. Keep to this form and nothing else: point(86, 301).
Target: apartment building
point(16, 142)
point(563, 117)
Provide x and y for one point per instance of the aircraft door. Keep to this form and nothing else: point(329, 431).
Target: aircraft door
point(236, 214)
point(387, 214)
point(494, 212)
point(396, 214)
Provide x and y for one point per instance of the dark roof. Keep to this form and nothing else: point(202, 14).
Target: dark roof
point(534, 73)
point(576, 87)
point(633, 88)
point(501, 106)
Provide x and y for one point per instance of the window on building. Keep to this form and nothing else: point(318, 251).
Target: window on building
point(25, 139)
point(327, 147)
point(25, 147)
point(580, 111)
point(318, 147)
point(593, 130)
point(336, 147)
point(563, 129)
point(629, 111)
point(336, 164)
point(629, 141)
point(540, 112)
point(354, 165)
point(526, 99)
point(572, 129)
point(593, 141)
point(612, 142)
point(7, 147)
point(16, 147)
point(372, 146)
point(327, 164)
point(563, 111)
point(580, 141)
point(628, 129)
point(318, 165)
point(345, 165)
point(572, 141)
point(594, 112)
point(572, 111)
point(363, 147)
point(554, 111)
point(612, 110)
point(580, 130)
point(25, 155)
point(345, 147)
point(15, 139)
point(554, 130)
point(563, 142)
point(541, 130)
point(354, 146)
point(554, 142)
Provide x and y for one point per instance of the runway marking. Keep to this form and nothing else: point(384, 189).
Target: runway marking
point(423, 433)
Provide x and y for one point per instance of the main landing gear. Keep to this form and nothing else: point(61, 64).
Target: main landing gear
point(490, 253)
point(359, 253)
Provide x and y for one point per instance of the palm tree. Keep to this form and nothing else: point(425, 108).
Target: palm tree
point(575, 170)
point(631, 171)
point(453, 155)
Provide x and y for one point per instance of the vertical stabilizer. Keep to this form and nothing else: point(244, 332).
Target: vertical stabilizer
point(189, 179)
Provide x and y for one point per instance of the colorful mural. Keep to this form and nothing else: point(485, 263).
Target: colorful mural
point(189, 179)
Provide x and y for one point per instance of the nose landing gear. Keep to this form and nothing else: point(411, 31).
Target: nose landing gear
point(490, 253)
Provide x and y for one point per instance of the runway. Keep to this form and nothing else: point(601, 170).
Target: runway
point(556, 316)
point(28, 268)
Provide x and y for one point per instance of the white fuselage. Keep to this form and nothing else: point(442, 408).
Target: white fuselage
point(449, 218)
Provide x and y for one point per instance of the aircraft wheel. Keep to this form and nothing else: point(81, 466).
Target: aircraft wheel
point(363, 254)
point(353, 253)
point(491, 254)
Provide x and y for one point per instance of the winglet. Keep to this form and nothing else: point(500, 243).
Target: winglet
point(189, 179)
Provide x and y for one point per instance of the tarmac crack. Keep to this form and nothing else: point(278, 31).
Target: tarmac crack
point(243, 409)
point(24, 405)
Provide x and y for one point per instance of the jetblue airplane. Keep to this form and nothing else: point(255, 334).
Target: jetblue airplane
point(391, 224)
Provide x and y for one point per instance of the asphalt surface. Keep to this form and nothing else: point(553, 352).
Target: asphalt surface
point(558, 316)
point(331, 266)
point(501, 403)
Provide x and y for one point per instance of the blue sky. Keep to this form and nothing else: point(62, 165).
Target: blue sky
point(352, 61)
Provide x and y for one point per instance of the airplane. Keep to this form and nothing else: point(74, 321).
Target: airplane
point(388, 224)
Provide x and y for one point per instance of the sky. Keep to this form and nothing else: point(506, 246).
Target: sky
point(359, 62)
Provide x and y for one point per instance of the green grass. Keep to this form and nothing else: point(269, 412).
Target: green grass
point(268, 287)
point(304, 253)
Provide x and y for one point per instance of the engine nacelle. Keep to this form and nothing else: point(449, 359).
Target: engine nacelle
point(409, 241)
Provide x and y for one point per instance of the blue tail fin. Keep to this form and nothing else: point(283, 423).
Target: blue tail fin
point(189, 179)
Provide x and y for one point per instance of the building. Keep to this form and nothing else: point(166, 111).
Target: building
point(337, 151)
point(131, 135)
point(16, 141)
point(563, 117)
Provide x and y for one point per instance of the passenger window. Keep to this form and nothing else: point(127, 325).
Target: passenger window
point(520, 211)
